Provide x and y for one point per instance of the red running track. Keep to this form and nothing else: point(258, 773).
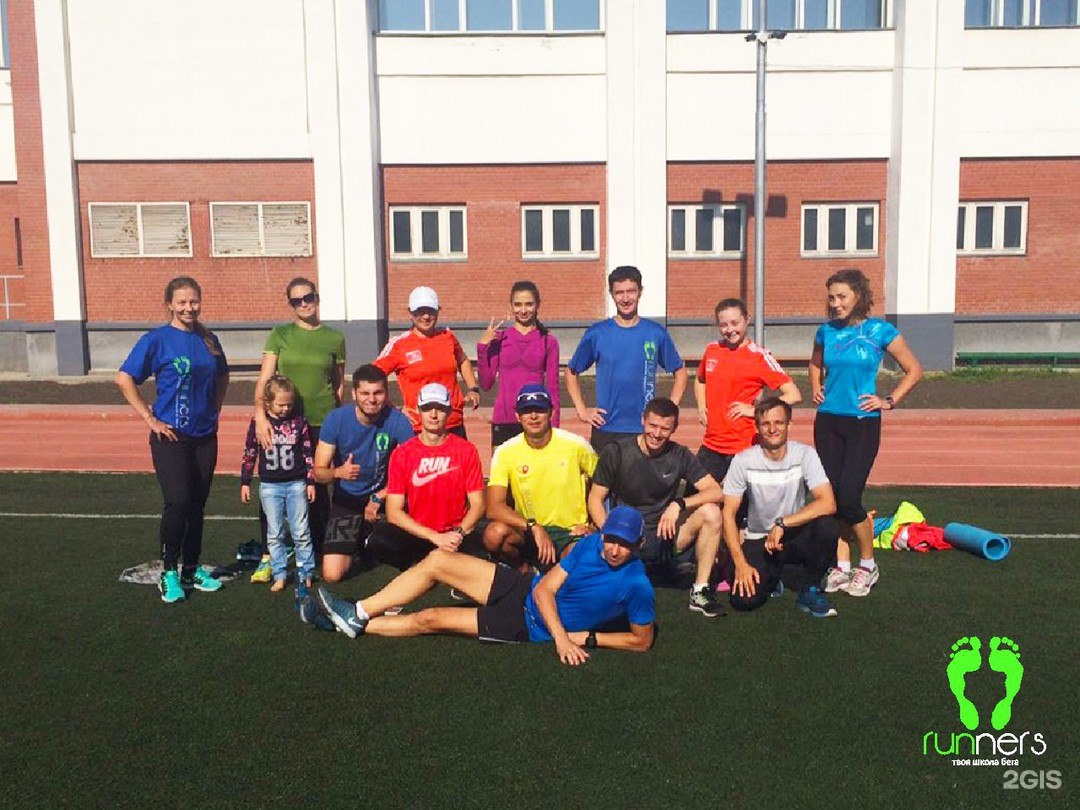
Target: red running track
point(919, 447)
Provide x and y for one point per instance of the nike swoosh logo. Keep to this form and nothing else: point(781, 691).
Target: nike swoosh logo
point(667, 475)
point(419, 480)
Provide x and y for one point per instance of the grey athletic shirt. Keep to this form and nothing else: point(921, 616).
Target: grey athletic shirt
point(775, 488)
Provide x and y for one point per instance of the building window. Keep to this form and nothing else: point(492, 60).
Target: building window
point(706, 231)
point(5, 51)
point(1021, 13)
point(831, 229)
point(159, 230)
point(260, 229)
point(994, 228)
point(560, 231)
point(427, 232)
point(782, 15)
point(456, 16)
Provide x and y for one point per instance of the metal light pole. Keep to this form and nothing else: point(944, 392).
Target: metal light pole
point(761, 37)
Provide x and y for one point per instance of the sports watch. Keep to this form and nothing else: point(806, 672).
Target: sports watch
point(590, 640)
point(780, 522)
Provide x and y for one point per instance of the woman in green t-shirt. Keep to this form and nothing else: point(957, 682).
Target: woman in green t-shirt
point(313, 357)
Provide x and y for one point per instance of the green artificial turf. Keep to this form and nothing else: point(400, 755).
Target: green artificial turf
point(109, 697)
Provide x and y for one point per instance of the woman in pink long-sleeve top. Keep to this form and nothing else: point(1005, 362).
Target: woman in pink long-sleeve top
point(525, 352)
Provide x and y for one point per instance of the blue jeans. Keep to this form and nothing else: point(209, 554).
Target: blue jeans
point(287, 501)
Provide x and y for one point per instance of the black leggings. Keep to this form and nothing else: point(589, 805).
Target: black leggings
point(847, 447)
point(185, 470)
point(813, 547)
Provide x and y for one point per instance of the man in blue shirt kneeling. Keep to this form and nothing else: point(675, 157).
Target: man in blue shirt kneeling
point(598, 582)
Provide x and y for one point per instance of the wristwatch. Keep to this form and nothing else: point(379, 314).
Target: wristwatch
point(780, 522)
point(475, 389)
point(590, 640)
point(375, 499)
point(680, 502)
point(891, 401)
point(530, 523)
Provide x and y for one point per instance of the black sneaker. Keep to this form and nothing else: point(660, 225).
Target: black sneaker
point(702, 601)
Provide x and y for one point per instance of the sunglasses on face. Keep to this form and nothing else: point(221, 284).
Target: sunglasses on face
point(310, 298)
point(425, 312)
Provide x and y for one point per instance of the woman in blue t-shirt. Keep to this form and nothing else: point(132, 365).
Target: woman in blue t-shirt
point(191, 375)
point(847, 430)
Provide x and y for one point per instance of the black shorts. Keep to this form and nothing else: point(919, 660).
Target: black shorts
point(391, 545)
point(655, 550)
point(717, 465)
point(346, 529)
point(503, 617)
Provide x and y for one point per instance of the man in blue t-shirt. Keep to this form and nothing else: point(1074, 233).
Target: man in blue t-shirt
point(354, 454)
point(600, 582)
point(626, 350)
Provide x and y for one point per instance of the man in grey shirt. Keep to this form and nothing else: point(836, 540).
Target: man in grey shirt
point(782, 527)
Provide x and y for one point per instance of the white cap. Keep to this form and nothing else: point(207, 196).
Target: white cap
point(433, 394)
point(423, 297)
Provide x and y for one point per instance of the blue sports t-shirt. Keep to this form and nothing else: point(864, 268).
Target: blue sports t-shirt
point(370, 445)
point(186, 375)
point(626, 359)
point(852, 355)
point(594, 593)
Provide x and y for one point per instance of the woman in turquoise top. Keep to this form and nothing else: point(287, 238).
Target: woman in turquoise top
point(312, 356)
point(847, 430)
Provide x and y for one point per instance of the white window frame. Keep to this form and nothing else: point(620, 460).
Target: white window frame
point(718, 209)
point(547, 228)
point(548, 29)
point(262, 230)
point(416, 254)
point(833, 17)
point(997, 247)
point(850, 229)
point(1031, 15)
point(142, 254)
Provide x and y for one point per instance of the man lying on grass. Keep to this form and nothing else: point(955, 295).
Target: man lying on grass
point(598, 582)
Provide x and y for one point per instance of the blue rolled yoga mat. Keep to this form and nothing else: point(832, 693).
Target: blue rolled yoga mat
point(978, 541)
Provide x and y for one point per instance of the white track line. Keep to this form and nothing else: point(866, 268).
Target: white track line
point(113, 517)
point(80, 516)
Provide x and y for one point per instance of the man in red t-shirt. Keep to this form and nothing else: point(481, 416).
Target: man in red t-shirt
point(434, 491)
point(733, 372)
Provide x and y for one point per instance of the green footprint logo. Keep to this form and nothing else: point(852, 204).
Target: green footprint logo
point(1004, 657)
point(966, 657)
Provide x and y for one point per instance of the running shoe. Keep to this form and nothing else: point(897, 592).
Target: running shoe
point(342, 613)
point(701, 601)
point(862, 580)
point(813, 601)
point(201, 580)
point(837, 580)
point(169, 585)
point(263, 574)
point(311, 613)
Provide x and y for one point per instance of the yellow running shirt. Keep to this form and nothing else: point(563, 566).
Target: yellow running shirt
point(548, 485)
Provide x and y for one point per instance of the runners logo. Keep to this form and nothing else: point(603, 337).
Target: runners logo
point(966, 659)
point(182, 366)
point(649, 380)
point(382, 442)
point(431, 468)
point(650, 350)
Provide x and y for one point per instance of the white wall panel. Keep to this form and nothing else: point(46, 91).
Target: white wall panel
point(495, 119)
point(188, 79)
point(811, 116)
point(828, 96)
point(1020, 112)
point(8, 172)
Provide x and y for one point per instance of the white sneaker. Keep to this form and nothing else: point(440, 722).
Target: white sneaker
point(837, 580)
point(862, 580)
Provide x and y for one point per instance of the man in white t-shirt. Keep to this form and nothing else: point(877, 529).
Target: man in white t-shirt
point(784, 526)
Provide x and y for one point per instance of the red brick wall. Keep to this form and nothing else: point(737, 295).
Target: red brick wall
point(479, 287)
point(1047, 279)
point(30, 189)
point(234, 289)
point(795, 286)
point(15, 287)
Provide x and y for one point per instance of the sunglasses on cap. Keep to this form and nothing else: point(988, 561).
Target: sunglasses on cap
point(310, 298)
point(535, 400)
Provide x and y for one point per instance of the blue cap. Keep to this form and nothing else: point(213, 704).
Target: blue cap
point(624, 522)
point(532, 395)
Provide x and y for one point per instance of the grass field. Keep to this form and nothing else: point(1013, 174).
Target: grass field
point(108, 697)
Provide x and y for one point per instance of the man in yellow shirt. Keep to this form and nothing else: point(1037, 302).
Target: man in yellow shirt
point(546, 470)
